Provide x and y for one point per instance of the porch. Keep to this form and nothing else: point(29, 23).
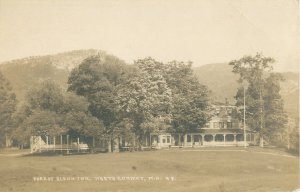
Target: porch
point(166, 140)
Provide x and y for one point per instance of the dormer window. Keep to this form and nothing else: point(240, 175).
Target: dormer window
point(221, 125)
point(229, 125)
point(216, 125)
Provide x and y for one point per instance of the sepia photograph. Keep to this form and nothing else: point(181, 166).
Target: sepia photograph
point(149, 95)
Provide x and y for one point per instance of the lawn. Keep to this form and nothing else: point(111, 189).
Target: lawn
point(207, 170)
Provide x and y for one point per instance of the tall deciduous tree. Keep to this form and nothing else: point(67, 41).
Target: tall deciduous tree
point(190, 98)
point(7, 107)
point(264, 105)
point(164, 97)
point(96, 79)
point(145, 96)
point(51, 111)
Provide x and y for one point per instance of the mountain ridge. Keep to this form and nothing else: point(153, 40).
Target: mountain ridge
point(218, 77)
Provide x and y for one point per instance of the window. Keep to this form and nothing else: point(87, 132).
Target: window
point(229, 125)
point(168, 139)
point(221, 125)
point(164, 140)
point(216, 125)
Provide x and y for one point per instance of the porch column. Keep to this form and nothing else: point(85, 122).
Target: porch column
point(224, 135)
point(185, 139)
point(202, 139)
point(54, 143)
point(150, 140)
point(68, 144)
point(179, 140)
point(214, 138)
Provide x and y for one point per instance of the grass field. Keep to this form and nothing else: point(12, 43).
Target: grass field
point(205, 170)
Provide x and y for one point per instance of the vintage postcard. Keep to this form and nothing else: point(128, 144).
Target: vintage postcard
point(139, 95)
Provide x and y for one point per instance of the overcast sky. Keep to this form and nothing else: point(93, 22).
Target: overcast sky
point(203, 31)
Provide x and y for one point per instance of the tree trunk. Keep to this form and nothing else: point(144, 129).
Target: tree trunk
point(185, 140)
point(116, 145)
point(109, 145)
point(7, 141)
point(261, 141)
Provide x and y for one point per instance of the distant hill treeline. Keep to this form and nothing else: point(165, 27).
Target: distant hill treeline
point(28, 72)
point(223, 84)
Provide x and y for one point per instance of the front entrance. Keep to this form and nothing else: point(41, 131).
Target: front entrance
point(161, 140)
